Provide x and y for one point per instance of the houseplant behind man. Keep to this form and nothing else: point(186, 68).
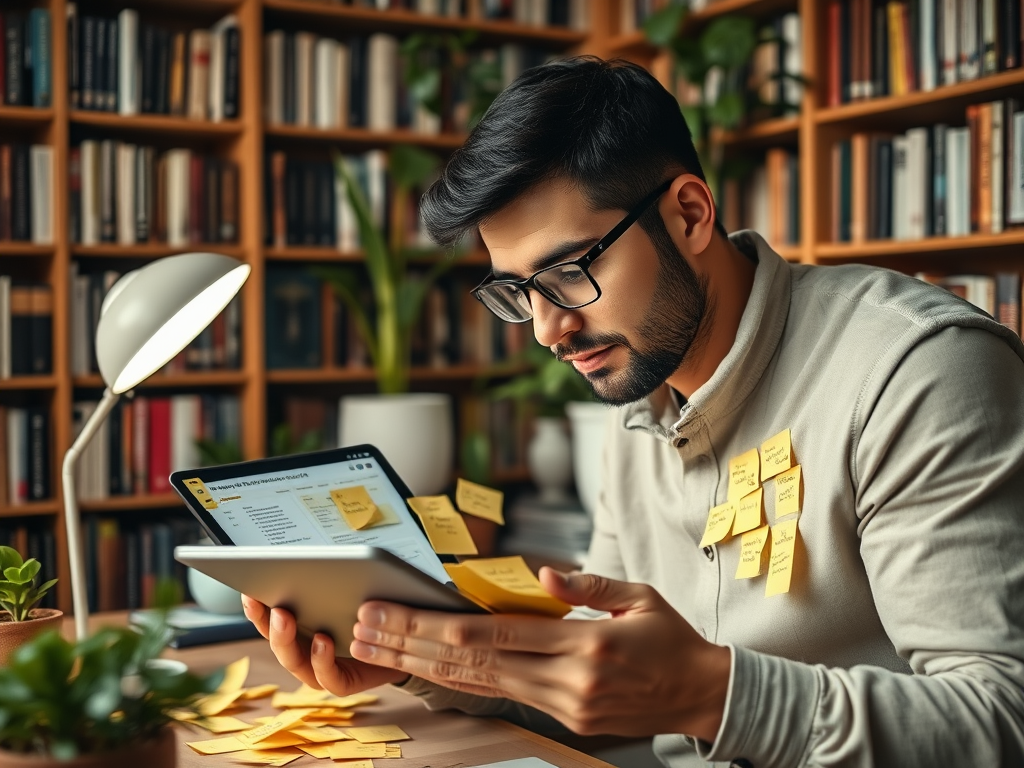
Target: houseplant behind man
point(900, 641)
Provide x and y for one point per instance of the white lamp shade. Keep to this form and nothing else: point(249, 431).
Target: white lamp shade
point(152, 313)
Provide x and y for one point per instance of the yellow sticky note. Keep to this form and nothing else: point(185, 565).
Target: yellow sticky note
point(505, 584)
point(776, 455)
point(374, 733)
point(358, 763)
point(445, 527)
point(303, 696)
point(787, 492)
point(268, 756)
point(719, 522)
point(319, 751)
point(183, 715)
point(392, 750)
point(752, 553)
point(283, 722)
point(479, 500)
point(258, 691)
point(744, 474)
point(780, 566)
point(217, 746)
point(352, 700)
point(201, 492)
point(342, 750)
point(221, 724)
point(748, 512)
point(320, 734)
point(215, 703)
point(356, 507)
point(234, 676)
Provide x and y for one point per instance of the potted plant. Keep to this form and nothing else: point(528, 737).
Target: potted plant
point(104, 702)
point(20, 620)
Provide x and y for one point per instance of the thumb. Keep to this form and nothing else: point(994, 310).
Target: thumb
point(594, 591)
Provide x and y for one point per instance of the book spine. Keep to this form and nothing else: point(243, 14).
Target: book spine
point(41, 184)
point(21, 194)
point(40, 35)
point(38, 454)
point(140, 445)
point(232, 67)
point(159, 444)
point(108, 191)
point(6, 191)
point(127, 62)
point(21, 330)
point(41, 330)
point(74, 55)
point(14, 66)
point(939, 180)
point(147, 51)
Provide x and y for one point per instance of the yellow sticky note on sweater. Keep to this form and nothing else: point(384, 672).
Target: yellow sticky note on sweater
point(787, 492)
point(780, 566)
point(479, 500)
point(748, 512)
point(719, 522)
point(752, 553)
point(445, 527)
point(744, 474)
point(776, 455)
point(356, 507)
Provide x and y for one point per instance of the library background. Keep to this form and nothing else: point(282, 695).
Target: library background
point(889, 133)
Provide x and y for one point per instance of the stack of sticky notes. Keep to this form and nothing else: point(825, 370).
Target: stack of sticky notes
point(310, 722)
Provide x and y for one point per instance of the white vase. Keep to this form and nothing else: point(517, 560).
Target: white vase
point(549, 456)
point(211, 595)
point(589, 427)
point(413, 431)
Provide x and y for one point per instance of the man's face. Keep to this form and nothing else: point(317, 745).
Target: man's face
point(635, 336)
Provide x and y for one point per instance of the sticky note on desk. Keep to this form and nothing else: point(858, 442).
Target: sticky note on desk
point(787, 492)
point(748, 512)
point(234, 675)
point(445, 527)
point(274, 757)
point(263, 734)
point(344, 750)
point(479, 501)
point(752, 553)
point(356, 507)
point(744, 474)
point(371, 734)
point(506, 585)
point(776, 455)
point(719, 523)
point(780, 566)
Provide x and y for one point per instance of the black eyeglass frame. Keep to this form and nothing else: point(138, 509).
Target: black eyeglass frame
point(583, 262)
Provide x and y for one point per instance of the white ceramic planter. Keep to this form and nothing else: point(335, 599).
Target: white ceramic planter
point(589, 422)
point(549, 456)
point(413, 431)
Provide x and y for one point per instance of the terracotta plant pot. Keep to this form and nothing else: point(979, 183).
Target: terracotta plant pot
point(155, 753)
point(15, 633)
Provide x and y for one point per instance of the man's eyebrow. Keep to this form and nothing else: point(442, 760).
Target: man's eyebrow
point(549, 259)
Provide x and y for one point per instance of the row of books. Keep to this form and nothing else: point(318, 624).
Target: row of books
point(34, 539)
point(881, 47)
point(767, 199)
point(144, 439)
point(358, 82)
point(26, 58)
point(116, 64)
point(25, 443)
point(26, 193)
point(128, 194)
point(26, 328)
point(935, 181)
point(217, 347)
point(124, 560)
point(555, 13)
point(999, 294)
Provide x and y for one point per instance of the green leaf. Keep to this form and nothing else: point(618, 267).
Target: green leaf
point(30, 569)
point(729, 41)
point(10, 558)
point(378, 260)
point(15, 576)
point(475, 455)
point(662, 25)
point(167, 594)
point(411, 166)
point(424, 85)
point(727, 112)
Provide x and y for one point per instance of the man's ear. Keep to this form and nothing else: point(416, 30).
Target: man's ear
point(688, 210)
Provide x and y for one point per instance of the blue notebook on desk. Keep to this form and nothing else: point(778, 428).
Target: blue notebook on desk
point(194, 626)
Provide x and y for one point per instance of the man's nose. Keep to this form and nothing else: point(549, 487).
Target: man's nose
point(551, 323)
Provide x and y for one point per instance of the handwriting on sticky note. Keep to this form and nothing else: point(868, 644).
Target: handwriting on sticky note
point(748, 512)
point(787, 492)
point(344, 750)
point(744, 474)
point(780, 565)
point(262, 734)
point(445, 527)
point(371, 734)
point(506, 585)
point(356, 507)
point(776, 455)
point(479, 500)
point(719, 522)
point(752, 553)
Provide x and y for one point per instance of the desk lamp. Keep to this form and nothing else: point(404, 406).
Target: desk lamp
point(147, 318)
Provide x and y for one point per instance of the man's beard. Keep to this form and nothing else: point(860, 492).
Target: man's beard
point(668, 330)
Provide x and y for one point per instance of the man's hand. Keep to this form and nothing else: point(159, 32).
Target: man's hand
point(314, 665)
point(642, 672)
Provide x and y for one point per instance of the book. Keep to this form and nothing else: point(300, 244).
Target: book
point(40, 45)
point(192, 626)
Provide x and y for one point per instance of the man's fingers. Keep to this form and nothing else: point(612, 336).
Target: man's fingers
point(344, 676)
point(292, 654)
point(257, 613)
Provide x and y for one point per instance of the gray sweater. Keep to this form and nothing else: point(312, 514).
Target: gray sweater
point(901, 641)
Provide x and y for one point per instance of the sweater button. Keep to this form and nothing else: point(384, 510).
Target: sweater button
point(709, 553)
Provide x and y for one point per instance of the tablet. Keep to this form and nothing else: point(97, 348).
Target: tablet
point(323, 586)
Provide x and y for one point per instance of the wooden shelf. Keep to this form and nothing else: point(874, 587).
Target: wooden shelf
point(364, 137)
point(354, 375)
point(630, 44)
point(26, 116)
point(12, 248)
point(403, 21)
point(311, 253)
point(177, 127)
point(152, 250)
point(511, 475)
point(788, 252)
point(187, 379)
point(47, 507)
point(876, 249)
point(782, 130)
point(945, 103)
point(28, 382)
point(127, 503)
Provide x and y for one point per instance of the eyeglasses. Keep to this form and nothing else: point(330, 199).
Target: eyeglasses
point(568, 285)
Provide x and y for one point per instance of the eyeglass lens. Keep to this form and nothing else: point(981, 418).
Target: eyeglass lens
point(566, 285)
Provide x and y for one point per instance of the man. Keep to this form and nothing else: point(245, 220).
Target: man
point(900, 641)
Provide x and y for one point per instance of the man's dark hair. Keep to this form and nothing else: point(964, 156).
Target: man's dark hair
point(608, 127)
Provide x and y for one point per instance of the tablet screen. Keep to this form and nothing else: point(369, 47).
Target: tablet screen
point(297, 506)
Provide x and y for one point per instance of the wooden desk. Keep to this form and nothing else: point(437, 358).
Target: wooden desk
point(439, 739)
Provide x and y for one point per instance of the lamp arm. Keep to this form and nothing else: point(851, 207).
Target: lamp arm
point(72, 521)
